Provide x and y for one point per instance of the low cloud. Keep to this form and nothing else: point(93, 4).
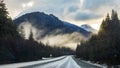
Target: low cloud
point(62, 40)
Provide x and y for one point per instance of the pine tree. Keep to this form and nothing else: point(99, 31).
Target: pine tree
point(7, 27)
point(114, 15)
point(4, 18)
point(31, 36)
point(104, 25)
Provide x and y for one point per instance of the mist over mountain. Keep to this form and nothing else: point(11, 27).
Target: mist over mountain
point(51, 30)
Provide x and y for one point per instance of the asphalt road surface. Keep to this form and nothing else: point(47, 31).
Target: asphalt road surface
point(59, 62)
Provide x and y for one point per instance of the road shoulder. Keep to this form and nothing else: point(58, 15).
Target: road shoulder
point(84, 64)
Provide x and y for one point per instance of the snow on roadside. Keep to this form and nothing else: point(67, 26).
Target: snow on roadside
point(44, 58)
point(95, 64)
point(17, 65)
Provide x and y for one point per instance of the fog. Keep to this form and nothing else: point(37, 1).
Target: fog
point(66, 40)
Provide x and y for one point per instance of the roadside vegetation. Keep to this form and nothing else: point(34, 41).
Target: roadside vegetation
point(103, 47)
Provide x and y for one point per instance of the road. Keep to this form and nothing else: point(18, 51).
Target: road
point(59, 62)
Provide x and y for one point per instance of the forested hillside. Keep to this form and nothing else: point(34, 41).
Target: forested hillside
point(103, 47)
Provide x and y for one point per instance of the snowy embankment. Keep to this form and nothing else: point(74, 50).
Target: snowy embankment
point(95, 64)
point(17, 65)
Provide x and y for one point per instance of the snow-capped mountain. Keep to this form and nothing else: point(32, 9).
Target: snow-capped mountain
point(88, 28)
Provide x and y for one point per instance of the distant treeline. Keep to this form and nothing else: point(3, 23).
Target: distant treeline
point(13, 48)
point(103, 47)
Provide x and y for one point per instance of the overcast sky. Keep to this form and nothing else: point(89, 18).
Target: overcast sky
point(75, 11)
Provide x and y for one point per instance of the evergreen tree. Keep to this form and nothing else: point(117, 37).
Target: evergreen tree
point(31, 36)
point(8, 34)
point(114, 15)
point(7, 28)
point(3, 13)
point(105, 46)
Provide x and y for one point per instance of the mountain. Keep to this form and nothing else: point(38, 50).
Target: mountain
point(88, 28)
point(49, 29)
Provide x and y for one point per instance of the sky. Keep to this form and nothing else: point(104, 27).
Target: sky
point(78, 12)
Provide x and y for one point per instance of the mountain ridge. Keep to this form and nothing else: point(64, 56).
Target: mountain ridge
point(48, 26)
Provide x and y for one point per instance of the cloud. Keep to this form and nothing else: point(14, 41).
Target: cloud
point(73, 8)
point(29, 4)
point(94, 4)
point(15, 7)
point(90, 10)
point(66, 10)
point(68, 40)
point(81, 16)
